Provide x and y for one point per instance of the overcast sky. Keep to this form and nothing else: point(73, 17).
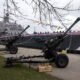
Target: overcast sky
point(27, 10)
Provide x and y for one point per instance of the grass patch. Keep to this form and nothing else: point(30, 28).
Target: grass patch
point(21, 72)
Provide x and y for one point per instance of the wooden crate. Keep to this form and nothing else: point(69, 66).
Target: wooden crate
point(44, 67)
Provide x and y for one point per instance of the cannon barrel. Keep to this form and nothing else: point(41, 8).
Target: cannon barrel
point(53, 43)
point(11, 42)
point(71, 26)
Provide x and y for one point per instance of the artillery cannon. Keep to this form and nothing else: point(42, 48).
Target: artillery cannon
point(51, 48)
point(10, 45)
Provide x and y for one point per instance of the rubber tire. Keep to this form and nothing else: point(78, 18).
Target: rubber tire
point(13, 50)
point(59, 60)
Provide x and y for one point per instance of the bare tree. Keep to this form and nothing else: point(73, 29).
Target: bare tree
point(46, 11)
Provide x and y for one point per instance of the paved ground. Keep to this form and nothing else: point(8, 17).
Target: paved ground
point(71, 72)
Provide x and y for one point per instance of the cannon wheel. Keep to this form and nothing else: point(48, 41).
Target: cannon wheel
point(61, 60)
point(12, 49)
